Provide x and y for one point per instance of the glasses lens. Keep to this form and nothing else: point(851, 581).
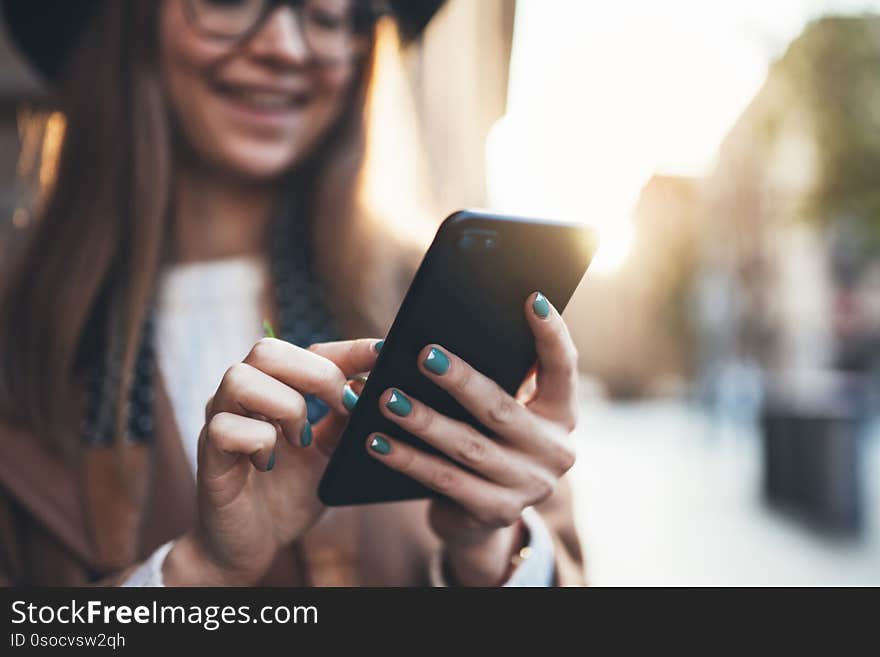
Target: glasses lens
point(331, 29)
point(227, 18)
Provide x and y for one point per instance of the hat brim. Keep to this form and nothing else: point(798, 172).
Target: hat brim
point(414, 15)
point(46, 30)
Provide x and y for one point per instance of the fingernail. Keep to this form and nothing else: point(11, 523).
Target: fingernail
point(398, 403)
point(379, 445)
point(349, 397)
point(541, 306)
point(378, 345)
point(271, 463)
point(436, 361)
point(305, 438)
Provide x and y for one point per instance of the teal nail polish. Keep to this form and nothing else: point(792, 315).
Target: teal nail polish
point(436, 361)
point(541, 306)
point(349, 397)
point(398, 403)
point(379, 445)
point(271, 463)
point(378, 346)
point(305, 438)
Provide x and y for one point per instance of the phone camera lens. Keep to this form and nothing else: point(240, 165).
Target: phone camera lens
point(489, 242)
point(466, 242)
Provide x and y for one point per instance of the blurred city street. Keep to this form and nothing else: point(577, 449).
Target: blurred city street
point(666, 495)
point(728, 329)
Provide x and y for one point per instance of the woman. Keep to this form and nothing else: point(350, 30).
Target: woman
point(204, 181)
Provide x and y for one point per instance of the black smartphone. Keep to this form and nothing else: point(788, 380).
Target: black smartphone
point(468, 296)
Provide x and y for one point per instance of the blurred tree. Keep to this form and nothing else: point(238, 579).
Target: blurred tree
point(833, 69)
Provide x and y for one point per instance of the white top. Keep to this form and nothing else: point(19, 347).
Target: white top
point(208, 318)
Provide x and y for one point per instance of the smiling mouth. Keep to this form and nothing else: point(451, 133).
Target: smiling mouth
point(265, 100)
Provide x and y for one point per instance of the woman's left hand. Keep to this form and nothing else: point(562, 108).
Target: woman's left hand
point(516, 468)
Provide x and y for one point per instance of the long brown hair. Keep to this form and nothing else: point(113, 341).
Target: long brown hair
point(82, 281)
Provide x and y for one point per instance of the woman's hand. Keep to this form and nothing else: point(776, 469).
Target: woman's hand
point(258, 470)
point(517, 468)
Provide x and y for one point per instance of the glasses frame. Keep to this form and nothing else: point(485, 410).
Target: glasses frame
point(370, 13)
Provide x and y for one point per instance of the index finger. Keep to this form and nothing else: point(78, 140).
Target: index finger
point(350, 356)
point(304, 370)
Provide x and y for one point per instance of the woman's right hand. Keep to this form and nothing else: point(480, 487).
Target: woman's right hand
point(260, 461)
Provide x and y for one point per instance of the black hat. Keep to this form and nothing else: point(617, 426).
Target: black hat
point(45, 30)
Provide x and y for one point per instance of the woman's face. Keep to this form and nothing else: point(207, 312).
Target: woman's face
point(252, 108)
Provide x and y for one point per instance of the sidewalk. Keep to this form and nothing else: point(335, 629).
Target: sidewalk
point(666, 496)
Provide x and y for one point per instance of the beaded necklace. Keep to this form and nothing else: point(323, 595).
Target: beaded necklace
point(303, 319)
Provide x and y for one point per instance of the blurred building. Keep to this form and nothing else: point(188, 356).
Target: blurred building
point(769, 264)
point(792, 211)
point(16, 85)
point(459, 76)
point(791, 248)
point(632, 325)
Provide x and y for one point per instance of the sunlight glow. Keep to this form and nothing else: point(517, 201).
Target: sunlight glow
point(604, 95)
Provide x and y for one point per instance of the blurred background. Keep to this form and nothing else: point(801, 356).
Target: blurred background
point(728, 154)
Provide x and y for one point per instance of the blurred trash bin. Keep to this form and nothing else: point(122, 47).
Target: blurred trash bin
point(812, 425)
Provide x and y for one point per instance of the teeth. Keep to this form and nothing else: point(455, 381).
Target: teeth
point(269, 100)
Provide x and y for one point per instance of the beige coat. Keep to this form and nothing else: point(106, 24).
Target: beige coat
point(63, 525)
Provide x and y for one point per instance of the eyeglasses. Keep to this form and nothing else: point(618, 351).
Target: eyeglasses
point(334, 31)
